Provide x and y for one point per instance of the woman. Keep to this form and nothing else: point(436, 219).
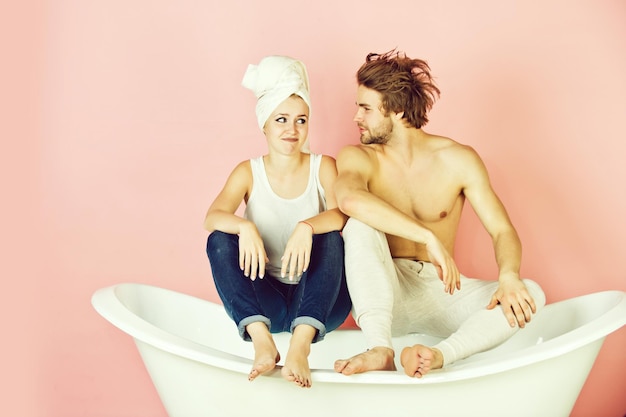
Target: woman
point(280, 266)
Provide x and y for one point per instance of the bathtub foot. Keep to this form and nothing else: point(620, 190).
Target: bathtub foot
point(376, 359)
point(418, 360)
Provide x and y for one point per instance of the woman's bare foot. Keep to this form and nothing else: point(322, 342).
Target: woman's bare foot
point(376, 359)
point(296, 368)
point(266, 354)
point(418, 360)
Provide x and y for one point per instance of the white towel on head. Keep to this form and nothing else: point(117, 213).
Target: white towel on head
point(273, 80)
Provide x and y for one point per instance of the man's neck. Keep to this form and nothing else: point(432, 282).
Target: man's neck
point(406, 137)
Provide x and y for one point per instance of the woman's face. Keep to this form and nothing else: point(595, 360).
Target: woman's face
point(287, 127)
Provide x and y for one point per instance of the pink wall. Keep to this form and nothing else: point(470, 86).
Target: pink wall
point(123, 119)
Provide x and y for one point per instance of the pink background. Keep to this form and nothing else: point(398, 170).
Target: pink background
point(121, 119)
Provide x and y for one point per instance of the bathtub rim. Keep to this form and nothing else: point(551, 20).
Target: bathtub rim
point(107, 303)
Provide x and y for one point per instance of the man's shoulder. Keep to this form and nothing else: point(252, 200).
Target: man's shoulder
point(450, 147)
point(356, 158)
point(356, 151)
point(441, 142)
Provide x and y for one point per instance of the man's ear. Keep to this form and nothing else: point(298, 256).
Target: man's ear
point(399, 116)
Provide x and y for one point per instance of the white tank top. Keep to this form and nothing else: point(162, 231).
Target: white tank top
point(275, 217)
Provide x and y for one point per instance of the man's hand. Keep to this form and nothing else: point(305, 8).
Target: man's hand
point(512, 295)
point(446, 267)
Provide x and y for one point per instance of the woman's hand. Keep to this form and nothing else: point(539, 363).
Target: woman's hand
point(297, 253)
point(252, 255)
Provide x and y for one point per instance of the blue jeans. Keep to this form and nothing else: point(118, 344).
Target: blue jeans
point(320, 299)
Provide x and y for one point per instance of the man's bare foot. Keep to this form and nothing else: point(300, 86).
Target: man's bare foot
point(266, 354)
point(376, 359)
point(296, 368)
point(418, 360)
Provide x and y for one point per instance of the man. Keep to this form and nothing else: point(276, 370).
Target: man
point(404, 191)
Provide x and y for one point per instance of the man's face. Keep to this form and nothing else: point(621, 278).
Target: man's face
point(374, 126)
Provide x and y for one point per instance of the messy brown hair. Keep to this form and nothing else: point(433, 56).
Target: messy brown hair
point(405, 85)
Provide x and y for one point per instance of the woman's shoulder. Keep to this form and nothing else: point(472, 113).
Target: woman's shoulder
point(326, 159)
point(326, 162)
point(327, 168)
point(244, 165)
point(243, 169)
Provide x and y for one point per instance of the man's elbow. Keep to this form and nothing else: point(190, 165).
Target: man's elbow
point(348, 205)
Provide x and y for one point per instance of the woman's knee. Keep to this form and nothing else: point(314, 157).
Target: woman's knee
point(328, 247)
point(220, 243)
point(333, 236)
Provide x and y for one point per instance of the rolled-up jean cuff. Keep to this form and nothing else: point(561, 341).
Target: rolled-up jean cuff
point(252, 319)
point(321, 328)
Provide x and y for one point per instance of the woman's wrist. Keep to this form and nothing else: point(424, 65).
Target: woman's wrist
point(308, 224)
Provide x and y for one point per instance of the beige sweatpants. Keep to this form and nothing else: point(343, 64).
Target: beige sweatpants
point(393, 297)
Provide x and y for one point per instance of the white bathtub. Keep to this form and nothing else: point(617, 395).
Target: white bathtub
point(199, 365)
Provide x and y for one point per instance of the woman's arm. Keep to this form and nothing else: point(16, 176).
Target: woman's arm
point(297, 253)
point(221, 216)
point(332, 218)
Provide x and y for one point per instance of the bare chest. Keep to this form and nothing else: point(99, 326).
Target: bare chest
point(427, 193)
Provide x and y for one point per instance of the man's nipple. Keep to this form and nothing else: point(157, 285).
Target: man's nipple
point(443, 214)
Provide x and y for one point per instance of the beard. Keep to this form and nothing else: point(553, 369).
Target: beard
point(374, 140)
point(379, 135)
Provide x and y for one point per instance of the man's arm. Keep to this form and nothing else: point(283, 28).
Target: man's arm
point(355, 199)
point(512, 294)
